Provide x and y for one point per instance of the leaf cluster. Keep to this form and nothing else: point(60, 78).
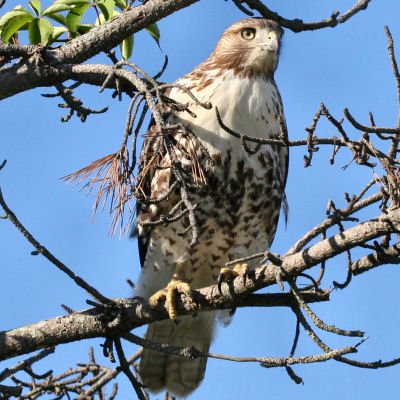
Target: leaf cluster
point(69, 15)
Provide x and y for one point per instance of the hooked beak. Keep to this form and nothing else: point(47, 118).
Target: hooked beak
point(272, 44)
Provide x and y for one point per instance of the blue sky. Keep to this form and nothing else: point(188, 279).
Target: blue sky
point(343, 67)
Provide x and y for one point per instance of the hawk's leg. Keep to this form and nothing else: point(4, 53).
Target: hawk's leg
point(176, 285)
point(227, 274)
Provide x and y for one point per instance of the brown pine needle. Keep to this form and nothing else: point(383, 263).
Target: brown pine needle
point(111, 172)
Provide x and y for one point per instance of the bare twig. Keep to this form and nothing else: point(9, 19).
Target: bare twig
point(317, 321)
point(75, 104)
point(369, 129)
point(126, 369)
point(332, 220)
point(192, 353)
point(238, 4)
point(26, 363)
point(46, 253)
point(297, 25)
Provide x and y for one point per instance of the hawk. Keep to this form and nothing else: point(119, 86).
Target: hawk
point(237, 209)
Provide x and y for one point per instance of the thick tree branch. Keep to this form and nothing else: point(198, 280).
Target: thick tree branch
point(110, 34)
point(294, 264)
point(41, 68)
point(388, 255)
point(123, 315)
point(126, 315)
point(331, 220)
point(16, 50)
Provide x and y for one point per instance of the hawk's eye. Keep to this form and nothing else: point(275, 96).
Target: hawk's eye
point(248, 33)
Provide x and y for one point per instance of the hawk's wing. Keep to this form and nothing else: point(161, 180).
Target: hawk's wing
point(156, 179)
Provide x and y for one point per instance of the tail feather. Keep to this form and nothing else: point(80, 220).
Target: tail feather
point(176, 374)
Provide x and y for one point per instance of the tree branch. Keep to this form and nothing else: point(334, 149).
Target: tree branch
point(297, 25)
point(41, 69)
point(388, 255)
point(123, 315)
point(47, 254)
point(127, 315)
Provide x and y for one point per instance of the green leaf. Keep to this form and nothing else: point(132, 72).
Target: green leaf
point(57, 32)
point(101, 19)
point(72, 2)
point(46, 29)
point(74, 17)
point(107, 8)
point(34, 32)
point(121, 4)
point(17, 11)
point(40, 31)
point(83, 28)
point(127, 47)
point(104, 13)
point(55, 8)
point(36, 6)
point(13, 23)
point(154, 32)
point(24, 27)
point(57, 17)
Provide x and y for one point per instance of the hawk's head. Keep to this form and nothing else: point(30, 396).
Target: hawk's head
point(249, 47)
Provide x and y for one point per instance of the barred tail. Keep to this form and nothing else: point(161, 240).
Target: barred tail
point(179, 375)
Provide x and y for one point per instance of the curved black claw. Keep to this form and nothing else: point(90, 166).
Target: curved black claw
point(225, 275)
point(219, 283)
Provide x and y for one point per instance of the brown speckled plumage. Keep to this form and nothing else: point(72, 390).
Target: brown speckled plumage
point(238, 198)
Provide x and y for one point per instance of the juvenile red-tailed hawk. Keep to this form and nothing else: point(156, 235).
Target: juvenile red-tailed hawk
point(236, 211)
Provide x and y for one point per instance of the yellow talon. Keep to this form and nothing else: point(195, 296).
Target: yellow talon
point(168, 293)
point(228, 274)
